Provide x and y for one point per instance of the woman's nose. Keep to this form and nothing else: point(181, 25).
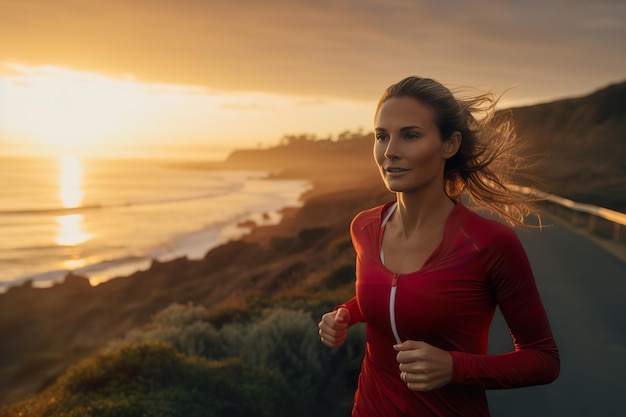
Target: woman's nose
point(391, 152)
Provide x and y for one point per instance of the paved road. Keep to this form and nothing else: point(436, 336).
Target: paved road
point(583, 288)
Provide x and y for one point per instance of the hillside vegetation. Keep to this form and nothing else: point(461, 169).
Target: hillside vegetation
point(582, 142)
point(181, 364)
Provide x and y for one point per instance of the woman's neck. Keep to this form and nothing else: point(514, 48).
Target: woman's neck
point(417, 212)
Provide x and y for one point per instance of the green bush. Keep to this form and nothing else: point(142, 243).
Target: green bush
point(184, 327)
point(182, 365)
point(152, 379)
point(285, 341)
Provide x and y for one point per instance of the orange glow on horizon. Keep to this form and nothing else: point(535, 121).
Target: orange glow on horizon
point(53, 111)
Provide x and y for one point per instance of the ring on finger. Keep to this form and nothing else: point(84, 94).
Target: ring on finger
point(403, 376)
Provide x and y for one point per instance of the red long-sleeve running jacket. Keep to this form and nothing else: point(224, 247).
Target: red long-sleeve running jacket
point(448, 303)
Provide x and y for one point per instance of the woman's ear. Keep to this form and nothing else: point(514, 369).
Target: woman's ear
point(452, 145)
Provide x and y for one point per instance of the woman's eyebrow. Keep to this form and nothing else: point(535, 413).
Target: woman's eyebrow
point(402, 129)
point(406, 128)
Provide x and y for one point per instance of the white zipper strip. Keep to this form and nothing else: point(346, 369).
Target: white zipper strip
point(392, 314)
point(392, 294)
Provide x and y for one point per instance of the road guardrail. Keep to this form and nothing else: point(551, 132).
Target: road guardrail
point(601, 221)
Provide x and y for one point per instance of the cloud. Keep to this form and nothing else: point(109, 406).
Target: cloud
point(350, 49)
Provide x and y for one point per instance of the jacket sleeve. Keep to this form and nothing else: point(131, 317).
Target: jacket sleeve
point(356, 229)
point(355, 311)
point(535, 359)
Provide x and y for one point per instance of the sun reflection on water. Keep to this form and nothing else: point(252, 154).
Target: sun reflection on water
point(71, 231)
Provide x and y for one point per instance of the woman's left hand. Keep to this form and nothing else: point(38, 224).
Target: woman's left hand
point(423, 367)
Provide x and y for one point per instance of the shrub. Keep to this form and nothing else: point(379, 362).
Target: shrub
point(152, 379)
point(181, 365)
point(184, 327)
point(285, 341)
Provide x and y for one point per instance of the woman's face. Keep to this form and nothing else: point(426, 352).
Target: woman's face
point(408, 148)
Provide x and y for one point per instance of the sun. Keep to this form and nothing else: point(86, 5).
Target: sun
point(65, 112)
point(62, 110)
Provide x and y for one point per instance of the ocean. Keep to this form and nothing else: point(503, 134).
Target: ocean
point(103, 218)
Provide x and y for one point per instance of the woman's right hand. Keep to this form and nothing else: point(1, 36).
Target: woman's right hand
point(334, 327)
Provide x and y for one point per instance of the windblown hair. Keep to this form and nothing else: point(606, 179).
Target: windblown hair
point(489, 154)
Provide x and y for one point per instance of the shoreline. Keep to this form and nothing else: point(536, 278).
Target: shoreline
point(106, 270)
point(53, 328)
point(192, 240)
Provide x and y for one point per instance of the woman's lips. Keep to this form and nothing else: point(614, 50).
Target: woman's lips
point(395, 171)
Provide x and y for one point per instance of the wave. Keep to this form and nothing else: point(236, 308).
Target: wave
point(191, 245)
point(51, 210)
point(110, 205)
point(96, 273)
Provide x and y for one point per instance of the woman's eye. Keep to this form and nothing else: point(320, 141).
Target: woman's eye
point(411, 136)
point(381, 137)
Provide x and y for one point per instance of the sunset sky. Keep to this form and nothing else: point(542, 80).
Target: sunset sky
point(120, 77)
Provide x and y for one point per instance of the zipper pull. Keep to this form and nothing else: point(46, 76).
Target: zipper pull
point(394, 281)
